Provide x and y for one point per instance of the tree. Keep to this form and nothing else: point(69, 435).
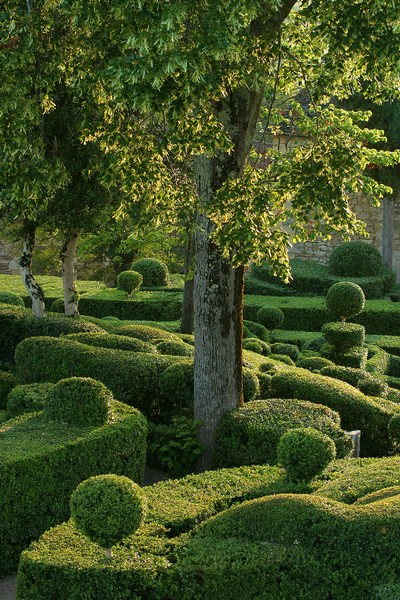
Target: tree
point(205, 67)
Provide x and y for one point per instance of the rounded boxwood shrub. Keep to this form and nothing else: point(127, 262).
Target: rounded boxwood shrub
point(345, 299)
point(129, 281)
point(355, 259)
point(78, 401)
point(283, 358)
point(287, 349)
point(364, 381)
point(256, 345)
point(344, 336)
point(27, 398)
point(107, 508)
point(305, 452)
point(314, 363)
point(11, 298)
point(174, 348)
point(153, 271)
point(270, 317)
point(259, 330)
point(147, 333)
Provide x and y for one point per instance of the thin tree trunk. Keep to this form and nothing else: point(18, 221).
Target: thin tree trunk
point(25, 267)
point(387, 232)
point(187, 318)
point(68, 255)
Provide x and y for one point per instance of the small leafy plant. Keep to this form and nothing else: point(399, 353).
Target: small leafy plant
point(175, 447)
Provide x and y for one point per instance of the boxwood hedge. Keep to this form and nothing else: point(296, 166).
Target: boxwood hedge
point(41, 462)
point(250, 434)
point(133, 377)
point(356, 410)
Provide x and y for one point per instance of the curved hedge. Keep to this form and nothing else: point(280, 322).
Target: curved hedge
point(27, 398)
point(132, 377)
point(42, 462)
point(16, 324)
point(250, 434)
point(146, 306)
point(111, 340)
point(292, 546)
point(356, 410)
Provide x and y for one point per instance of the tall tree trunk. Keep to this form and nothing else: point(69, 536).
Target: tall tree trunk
point(187, 318)
point(387, 232)
point(25, 267)
point(218, 302)
point(68, 255)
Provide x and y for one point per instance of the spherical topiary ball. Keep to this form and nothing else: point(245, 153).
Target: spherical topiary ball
point(304, 452)
point(355, 259)
point(107, 508)
point(345, 299)
point(154, 272)
point(129, 281)
point(78, 401)
point(270, 317)
point(256, 346)
point(251, 385)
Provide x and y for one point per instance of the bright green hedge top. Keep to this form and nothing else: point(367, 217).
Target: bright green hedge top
point(52, 286)
point(31, 433)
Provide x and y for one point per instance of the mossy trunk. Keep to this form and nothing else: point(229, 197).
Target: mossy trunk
point(25, 267)
point(187, 318)
point(68, 257)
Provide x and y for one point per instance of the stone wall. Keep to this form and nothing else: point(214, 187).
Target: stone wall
point(8, 263)
point(320, 251)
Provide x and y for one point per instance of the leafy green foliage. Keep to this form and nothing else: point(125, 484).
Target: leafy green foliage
point(355, 259)
point(175, 447)
point(288, 349)
point(107, 508)
point(305, 452)
point(256, 345)
point(11, 298)
point(345, 299)
point(174, 348)
point(7, 382)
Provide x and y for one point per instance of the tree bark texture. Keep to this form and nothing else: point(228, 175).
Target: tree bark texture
point(387, 232)
point(187, 318)
point(25, 267)
point(68, 255)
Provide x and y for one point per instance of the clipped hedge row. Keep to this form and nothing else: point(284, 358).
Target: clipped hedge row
point(52, 287)
point(151, 306)
point(310, 314)
point(250, 434)
point(43, 461)
point(311, 278)
point(63, 564)
point(133, 377)
point(113, 341)
point(357, 411)
point(293, 546)
point(16, 324)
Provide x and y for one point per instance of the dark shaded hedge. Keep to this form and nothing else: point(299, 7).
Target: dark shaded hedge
point(27, 398)
point(311, 278)
point(7, 382)
point(42, 462)
point(151, 306)
point(356, 410)
point(16, 324)
point(250, 435)
point(132, 377)
point(310, 314)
